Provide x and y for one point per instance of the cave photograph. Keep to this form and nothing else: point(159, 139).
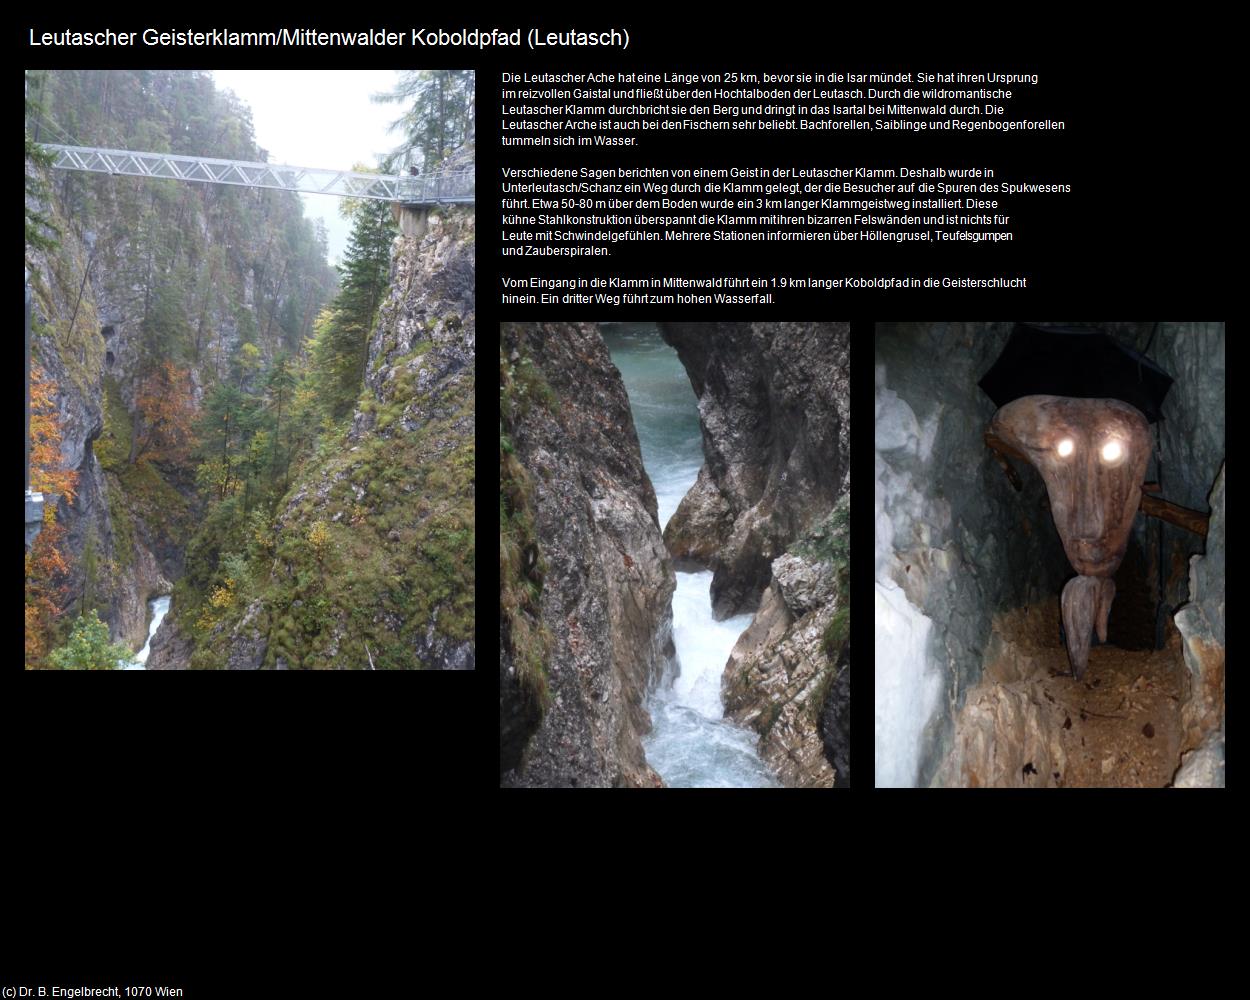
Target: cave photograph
point(674, 555)
point(1049, 555)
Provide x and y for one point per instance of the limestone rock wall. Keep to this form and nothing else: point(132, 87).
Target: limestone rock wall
point(774, 407)
point(1201, 624)
point(774, 404)
point(70, 347)
point(779, 676)
point(1191, 441)
point(608, 582)
point(954, 541)
point(391, 584)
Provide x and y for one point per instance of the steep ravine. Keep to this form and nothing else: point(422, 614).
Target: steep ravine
point(143, 273)
point(127, 512)
point(764, 515)
point(373, 559)
point(586, 623)
point(691, 744)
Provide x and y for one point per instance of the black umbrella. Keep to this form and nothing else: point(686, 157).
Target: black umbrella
point(1068, 361)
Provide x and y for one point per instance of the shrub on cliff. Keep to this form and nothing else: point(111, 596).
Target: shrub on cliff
point(89, 647)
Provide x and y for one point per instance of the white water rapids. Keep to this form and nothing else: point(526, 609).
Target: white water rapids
point(692, 745)
point(160, 605)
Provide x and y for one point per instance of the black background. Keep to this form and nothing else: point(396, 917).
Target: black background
point(1136, 236)
point(266, 762)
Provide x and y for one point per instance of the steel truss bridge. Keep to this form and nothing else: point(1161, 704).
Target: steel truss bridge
point(438, 188)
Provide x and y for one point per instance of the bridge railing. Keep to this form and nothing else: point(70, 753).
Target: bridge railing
point(454, 187)
point(451, 187)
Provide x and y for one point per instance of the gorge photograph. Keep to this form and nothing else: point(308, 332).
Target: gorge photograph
point(674, 555)
point(250, 385)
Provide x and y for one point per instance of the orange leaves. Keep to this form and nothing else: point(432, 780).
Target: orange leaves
point(46, 566)
point(167, 411)
point(46, 474)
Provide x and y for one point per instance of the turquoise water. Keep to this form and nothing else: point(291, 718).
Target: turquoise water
point(666, 413)
point(691, 744)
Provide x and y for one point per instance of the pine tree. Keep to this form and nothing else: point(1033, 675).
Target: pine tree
point(221, 436)
point(439, 111)
point(41, 234)
point(340, 345)
point(279, 385)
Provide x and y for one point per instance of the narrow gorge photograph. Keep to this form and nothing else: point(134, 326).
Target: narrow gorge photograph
point(674, 555)
point(250, 385)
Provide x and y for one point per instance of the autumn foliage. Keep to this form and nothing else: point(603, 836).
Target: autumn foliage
point(167, 412)
point(46, 474)
point(46, 567)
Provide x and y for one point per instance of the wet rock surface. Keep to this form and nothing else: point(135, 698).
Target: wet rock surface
point(1191, 440)
point(1203, 767)
point(606, 596)
point(774, 404)
point(774, 411)
point(170, 649)
point(1201, 625)
point(132, 591)
point(779, 680)
point(956, 544)
point(835, 721)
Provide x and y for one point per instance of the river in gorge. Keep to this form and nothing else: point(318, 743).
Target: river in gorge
point(691, 744)
point(158, 606)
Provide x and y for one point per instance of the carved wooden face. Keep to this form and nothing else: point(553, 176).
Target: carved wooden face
point(1092, 455)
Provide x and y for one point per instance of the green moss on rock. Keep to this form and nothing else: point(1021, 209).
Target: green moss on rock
point(836, 633)
point(521, 567)
point(73, 324)
point(112, 447)
point(123, 526)
point(342, 591)
point(164, 510)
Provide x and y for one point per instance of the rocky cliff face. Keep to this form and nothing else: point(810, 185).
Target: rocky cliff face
point(1201, 624)
point(954, 541)
point(1191, 442)
point(76, 349)
point(774, 405)
point(573, 714)
point(780, 674)
point(373, 568)
point(142, 272)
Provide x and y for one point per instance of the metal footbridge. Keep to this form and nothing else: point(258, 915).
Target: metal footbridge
point(455, 187)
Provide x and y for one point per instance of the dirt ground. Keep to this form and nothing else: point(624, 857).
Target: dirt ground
point(1125, 717)
point(1029, 723)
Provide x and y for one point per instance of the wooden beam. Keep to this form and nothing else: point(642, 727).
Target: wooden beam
point(1002, 447)
point(1001, 450)
point(1182, 517)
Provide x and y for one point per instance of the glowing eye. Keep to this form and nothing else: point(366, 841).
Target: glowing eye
point(1065, 448)
point(1111, 451)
